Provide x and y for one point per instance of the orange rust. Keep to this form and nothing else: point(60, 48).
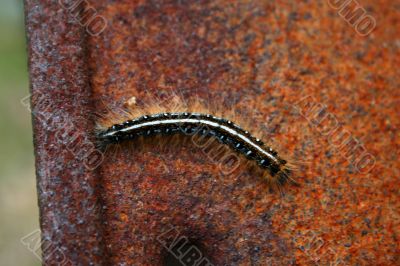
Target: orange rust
point(259, 57)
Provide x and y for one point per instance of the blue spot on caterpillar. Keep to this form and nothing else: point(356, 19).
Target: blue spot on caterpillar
point(225, 131)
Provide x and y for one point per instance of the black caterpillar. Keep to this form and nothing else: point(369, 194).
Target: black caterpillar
point(187, 123)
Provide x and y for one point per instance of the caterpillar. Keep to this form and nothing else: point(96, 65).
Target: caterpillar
point(148, 123)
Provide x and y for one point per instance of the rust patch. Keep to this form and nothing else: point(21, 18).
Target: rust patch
point(237, 54)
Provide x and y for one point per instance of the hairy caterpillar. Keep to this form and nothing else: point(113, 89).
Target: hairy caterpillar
point(192, 119)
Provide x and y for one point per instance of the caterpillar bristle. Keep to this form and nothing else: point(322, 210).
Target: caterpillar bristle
point(276, 171)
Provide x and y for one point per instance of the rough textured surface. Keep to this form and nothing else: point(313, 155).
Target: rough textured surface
point(69, 210)
point(269, 54)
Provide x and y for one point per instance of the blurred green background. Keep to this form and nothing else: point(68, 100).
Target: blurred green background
point(18, 201)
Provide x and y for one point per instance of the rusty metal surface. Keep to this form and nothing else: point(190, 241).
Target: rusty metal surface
point(269, 54)
point(69, 213)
